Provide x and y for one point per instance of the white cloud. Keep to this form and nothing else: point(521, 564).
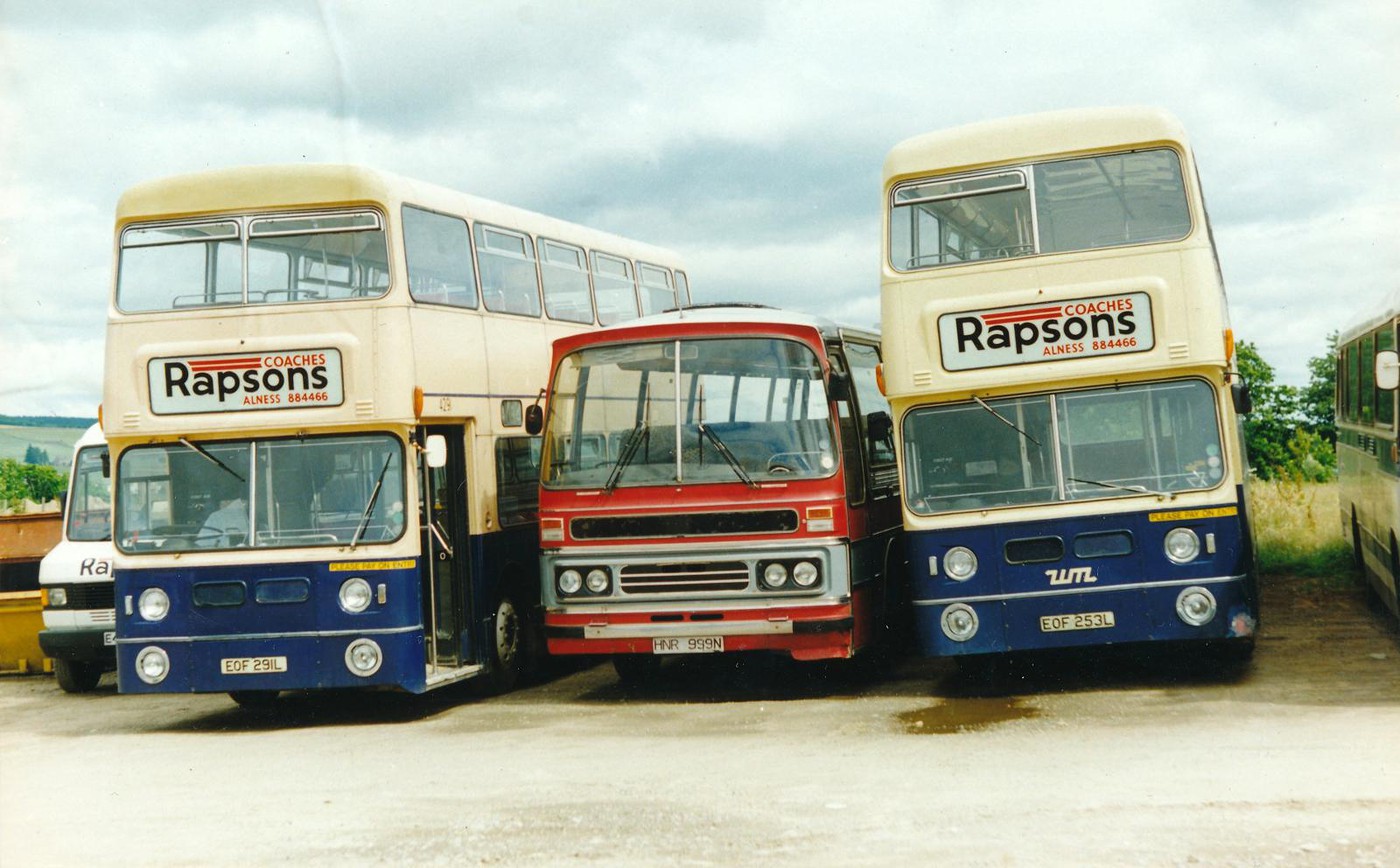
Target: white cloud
point(747, 136)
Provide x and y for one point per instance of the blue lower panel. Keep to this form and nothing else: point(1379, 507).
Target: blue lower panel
point(312, 662)
point(1138, 615)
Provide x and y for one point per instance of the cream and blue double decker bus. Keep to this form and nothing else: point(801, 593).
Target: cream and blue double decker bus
point(317, 378)
point(1058, 359)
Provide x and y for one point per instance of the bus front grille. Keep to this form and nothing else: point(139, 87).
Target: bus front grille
point(684, 578)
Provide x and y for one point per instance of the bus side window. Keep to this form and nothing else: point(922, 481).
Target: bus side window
point(657, 290)
point(614, 290)
point(438, 249)
point(509, 283)
point(850, 440)
point(1385, 401)
point(682, 289)
point(517, 479)
point(1367, 366)
point(877, 434)
point(564, 272)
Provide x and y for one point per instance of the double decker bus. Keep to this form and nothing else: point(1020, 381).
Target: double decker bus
point(315, 400)
point(1367, 448)
point(717, 480)
point(1058, 358)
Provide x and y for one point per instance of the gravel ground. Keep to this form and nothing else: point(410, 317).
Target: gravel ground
point(1116, 757)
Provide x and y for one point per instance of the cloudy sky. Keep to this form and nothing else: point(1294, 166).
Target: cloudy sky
point(748, 136)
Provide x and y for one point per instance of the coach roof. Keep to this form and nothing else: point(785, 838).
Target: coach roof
point(1028, 137)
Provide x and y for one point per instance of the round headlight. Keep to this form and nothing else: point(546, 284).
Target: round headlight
point(363, 657)
point(153, 605)
point(152, 665)
point(774, 575)
point(355, 595)
point(805, 574)
point(597, 580)
point(570, 582)
point(1182, 545)
point(58, 596)
point(959, 622)
point(1195, 606)
point(960, 563)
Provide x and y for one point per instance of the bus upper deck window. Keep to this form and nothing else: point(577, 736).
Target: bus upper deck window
point(942, 222)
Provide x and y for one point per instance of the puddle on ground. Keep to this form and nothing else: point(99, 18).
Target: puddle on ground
point(965, 715)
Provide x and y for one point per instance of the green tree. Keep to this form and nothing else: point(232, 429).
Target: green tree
point(1291, 433)
point(35, 455)
point(1268, 428)
point(1317, 400)
point(37, 482)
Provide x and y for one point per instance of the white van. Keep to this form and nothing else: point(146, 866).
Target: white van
point(76, 575)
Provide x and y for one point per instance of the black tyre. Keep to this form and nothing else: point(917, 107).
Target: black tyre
point(507, 645)
point(1356, 546)
point(254, 699)
point(636, 670)
point(75, 676)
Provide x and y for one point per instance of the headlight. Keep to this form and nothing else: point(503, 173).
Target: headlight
point(805, 574)
point(570, 582)
point(152, 663)
point(355, 595)
point(959, 622)
point(1182, 545)
point(1195, 606)
point(960, 563)
point(58, 597)
point(597, 580)
point(153, 606)
point(363, 657)
point(774, 575)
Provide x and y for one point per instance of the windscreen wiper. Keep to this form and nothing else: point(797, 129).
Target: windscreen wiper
point(373, 497)
point(1012, 425)
point(1135, 489)
point(202, 451)
point(728, 456)
point(629, 448)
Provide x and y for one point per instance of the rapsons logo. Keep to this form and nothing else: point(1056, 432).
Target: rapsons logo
point(209, 384)
point(1035, 333)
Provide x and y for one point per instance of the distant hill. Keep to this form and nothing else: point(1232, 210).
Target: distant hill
point(53, 435)
point(47, 421)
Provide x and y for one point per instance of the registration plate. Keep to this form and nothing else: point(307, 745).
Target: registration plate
point(1076, 621)
point(252, 665)
point(688, 645)
point(109, 637)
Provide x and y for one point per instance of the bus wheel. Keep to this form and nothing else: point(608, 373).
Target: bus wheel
point(1395, 576)
point(75, 676)
point(984, 674)
point(635, 670)
point(254, 699)
point(1356, 545)
point(507, 652)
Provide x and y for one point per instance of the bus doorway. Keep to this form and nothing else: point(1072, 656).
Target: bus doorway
point(447, 570)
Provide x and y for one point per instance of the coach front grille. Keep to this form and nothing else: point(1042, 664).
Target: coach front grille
point(684, 578)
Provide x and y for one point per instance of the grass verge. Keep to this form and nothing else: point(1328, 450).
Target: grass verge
point(1297, 530)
